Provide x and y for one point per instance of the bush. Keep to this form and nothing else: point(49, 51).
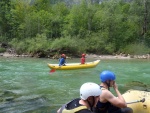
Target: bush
point(2, 50)
point(137, 49)
point(98, 43)
point(38, 43)
point(31, 45)
point(73, 45)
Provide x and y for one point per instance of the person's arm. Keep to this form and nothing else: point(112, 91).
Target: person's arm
point(58, 111)
point(116, 101)
point(120, 98)
point(61, 108)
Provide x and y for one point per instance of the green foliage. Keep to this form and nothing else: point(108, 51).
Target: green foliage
point(136, 49)
point(18, 13)
point(36, 23)
point(104, 28)
point(58, 22)
point(3, 38)
point(19, 46)
point(73, 45)
point(31, 45)
point(5, 7)
point(147, 39)
point(77, 24)
point(99, 44)
point(38, 43)
point(2, 50)
point(42, 5)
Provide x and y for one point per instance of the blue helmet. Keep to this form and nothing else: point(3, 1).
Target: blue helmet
point(107, 75)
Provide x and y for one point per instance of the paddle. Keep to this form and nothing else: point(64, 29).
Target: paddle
point(136, 101)
point(52, 71)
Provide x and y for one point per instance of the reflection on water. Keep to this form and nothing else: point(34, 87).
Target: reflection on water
point(27, 87)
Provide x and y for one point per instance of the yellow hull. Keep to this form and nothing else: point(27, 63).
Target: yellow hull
point(71, 66)
point(138, 107)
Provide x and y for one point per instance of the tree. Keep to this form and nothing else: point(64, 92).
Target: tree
point(5, 6)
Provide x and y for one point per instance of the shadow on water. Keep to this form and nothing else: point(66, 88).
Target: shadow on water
point(13, 103)
point(137, 85)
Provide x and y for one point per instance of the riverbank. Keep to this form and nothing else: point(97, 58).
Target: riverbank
point(108, 56)
point(120, 56)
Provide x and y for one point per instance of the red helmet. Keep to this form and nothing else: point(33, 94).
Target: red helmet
point(63, 55)
point(83, 55)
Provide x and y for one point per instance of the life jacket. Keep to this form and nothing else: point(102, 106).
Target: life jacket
point(102, 107)
point(62, 62)
point(72, 107)
point(82, 60)
point(74, 110)
point(108, 107)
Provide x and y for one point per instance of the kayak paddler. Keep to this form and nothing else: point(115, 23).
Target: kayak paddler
point(62, 60)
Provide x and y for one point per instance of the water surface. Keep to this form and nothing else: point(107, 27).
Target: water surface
point(27, 87)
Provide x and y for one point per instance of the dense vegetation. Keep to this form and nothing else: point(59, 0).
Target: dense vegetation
point(45, 27)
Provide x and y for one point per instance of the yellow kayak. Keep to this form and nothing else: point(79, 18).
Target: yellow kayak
point(70, 66)
point(133, 99)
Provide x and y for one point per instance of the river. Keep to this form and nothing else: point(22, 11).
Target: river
point(26, 86)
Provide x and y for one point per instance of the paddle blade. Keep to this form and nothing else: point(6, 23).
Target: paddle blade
point(52, 71)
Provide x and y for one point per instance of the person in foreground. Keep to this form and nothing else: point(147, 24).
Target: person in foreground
point(89, 95)
point(108, 103)
point(83, 59)
point(62, 60)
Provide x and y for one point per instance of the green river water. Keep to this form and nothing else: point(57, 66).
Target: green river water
point(27, 87)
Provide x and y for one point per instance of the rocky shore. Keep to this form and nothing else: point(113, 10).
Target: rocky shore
point(120, 56)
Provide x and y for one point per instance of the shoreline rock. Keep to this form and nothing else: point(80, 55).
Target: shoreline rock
point(108, 56)
point(6, 54)
point(147, 56)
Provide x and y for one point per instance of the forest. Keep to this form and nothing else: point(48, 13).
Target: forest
point(46, 28)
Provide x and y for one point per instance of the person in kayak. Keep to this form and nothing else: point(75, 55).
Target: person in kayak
point(62, 60)
point(108, 103)
point(83, 59)
point(89, 95)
